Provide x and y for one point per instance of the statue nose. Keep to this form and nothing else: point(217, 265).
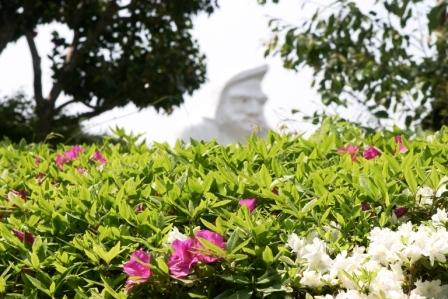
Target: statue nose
point(253, 107)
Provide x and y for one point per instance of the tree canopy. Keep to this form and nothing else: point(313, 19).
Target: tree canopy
point(391, 57)
point(118, 52)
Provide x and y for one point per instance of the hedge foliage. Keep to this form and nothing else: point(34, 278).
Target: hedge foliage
point(67, 228)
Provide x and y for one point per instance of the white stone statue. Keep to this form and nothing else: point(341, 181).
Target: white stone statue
point(239, 112)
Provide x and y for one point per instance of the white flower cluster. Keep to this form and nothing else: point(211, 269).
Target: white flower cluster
point(425, 194)
point(380, 270)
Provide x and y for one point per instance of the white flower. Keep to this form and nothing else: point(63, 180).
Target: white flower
point(334, 229)
point(351, 294)
point(441, 188)
point(296, 244)
point(428, 289)
point(388, 283)
point(424, 196)
point(441, 217)
point(175, 235)
point(312, 279)
point(416, 296)
point(316, 256)
point(381, 267)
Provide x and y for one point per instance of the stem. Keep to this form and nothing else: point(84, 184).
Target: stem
point(36, 68)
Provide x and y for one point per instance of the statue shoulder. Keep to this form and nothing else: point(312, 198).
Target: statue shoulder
point(206, 129)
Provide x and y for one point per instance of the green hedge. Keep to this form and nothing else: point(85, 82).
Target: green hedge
point(66, 230)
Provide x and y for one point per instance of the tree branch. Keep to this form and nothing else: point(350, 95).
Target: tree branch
point(57, 86)
point(36, 67)
point(77, 50)
point(97, 111)
point(58, 109)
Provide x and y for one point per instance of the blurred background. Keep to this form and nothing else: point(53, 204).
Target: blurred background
point(139, 65)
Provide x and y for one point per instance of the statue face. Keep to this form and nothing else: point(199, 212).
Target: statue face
point(242, 105)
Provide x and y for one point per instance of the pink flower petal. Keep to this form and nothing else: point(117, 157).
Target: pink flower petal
point(202, 253)
point(182, 260)
point(349, 149)
point(98, 156)
point(250, 203)
point(401, 147)
point(137, 268)
point(371, 153)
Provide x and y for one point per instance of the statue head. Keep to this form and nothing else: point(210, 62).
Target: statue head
point(241, 101)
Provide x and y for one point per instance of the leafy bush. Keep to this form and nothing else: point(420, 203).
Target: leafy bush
point(114, 220)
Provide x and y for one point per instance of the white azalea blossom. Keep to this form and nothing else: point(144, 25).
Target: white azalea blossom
point(441, 217)
point(430, 289)
point(175, 234)
point(381, 270)
point(425, 194)
point(296, 244)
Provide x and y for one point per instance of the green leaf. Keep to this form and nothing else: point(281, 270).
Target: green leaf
point(162, 265)
point(268, 258)
point(235, 294)
point(435, 16)
point(38, 284)
point(2, 284)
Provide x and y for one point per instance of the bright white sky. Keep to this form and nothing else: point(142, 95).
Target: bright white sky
point(233, 40)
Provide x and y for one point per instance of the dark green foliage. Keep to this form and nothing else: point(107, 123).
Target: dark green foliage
point(387, 58)
point(141, 52)
point(16, 118)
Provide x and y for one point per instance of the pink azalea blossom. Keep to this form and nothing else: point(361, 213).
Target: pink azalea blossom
point(187, 253)
point(400, 212)
point(60, 161)
point(28, 238)
point(70, 155)
point(182, 260)
point(350, 149)
point(203, 254)
point(371, 153)
point(73, 153)
point(250, 203)
point(401, 147)
point(365, 206)
point(137, 268)
point(98, 156)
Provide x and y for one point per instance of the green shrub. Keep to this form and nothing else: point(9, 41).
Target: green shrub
point(67, 229)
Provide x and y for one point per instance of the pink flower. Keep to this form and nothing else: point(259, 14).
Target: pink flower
point(187, 253)
point(98, 156)
point(401, 147)
point(28, 238)
point(68, 156)
point(202, 253)
point(400, 212)
point(350, 149)
point(182, 261)
point(371, 153)
point(137, 268)
point(365, 206)
point(60, 161)
point(73, 153)
point(250, 203)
